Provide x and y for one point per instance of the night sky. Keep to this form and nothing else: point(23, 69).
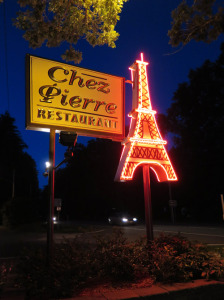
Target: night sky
point(143, 28)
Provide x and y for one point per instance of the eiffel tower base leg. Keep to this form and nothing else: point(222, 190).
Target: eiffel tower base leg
point(148, 205)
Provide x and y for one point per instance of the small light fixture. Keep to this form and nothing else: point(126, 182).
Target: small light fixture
point(47, 164)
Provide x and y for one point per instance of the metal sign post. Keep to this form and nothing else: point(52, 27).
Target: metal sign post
point(50, 232)
point(222, 202)
point(148, 205)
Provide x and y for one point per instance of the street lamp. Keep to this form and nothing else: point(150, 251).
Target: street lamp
point(47, 166)
point(67, 139)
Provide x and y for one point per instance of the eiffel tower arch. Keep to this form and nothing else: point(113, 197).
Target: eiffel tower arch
point(144, 144)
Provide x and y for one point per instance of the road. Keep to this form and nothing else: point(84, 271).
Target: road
point(205, 234)
point(11, 243)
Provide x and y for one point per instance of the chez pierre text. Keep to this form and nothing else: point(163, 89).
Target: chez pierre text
point(61, 75)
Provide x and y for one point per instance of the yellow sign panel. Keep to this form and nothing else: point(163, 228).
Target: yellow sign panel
point(66, 97)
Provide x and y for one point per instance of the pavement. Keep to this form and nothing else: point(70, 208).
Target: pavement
point(194, 290)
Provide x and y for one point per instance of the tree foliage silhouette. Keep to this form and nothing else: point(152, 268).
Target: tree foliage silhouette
point(55, 22)
point(196, 118)
point(86, 185)
point(201, 20)
point(18, 174)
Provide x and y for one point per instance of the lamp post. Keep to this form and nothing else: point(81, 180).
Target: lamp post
point(51, 171)
point(66, 139)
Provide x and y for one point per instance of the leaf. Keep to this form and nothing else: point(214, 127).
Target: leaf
point(201, 21)
point(55, 22)
point(203, 274)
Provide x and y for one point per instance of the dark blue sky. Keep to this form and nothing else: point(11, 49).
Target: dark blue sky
point(143, 28)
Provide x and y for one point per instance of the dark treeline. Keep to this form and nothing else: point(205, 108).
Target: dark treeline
point(19, 186)
point(86, 185)
point(196, 120)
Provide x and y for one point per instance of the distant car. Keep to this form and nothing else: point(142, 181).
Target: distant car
point(55, 221)
point(122, 218)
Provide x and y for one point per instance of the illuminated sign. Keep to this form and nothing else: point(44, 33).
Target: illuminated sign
point(144, 144)
point(69, 98)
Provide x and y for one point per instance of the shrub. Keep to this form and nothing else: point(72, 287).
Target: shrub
point(174, 258)
point(33, 275)
point(5, 269)
point(18, 211)
point(79, 263)
point(115, 258)
point(68, 270)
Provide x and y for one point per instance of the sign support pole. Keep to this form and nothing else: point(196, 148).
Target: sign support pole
point(171, 205)
point(222, 202)
point(148, 205)
point(50, 233)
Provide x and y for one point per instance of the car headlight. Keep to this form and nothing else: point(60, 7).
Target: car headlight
point(135, 219)
point(124, 220)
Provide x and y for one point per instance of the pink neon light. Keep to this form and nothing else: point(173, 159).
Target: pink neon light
point(146, 111)
point(149, 163)
point(146, 163)
point(137, 139)
point(149, 141)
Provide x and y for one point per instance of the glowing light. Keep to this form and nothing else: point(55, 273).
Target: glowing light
point(142, 62)
point(146, 111)
point(47, 164)
point(144, 143)
point(148, 141)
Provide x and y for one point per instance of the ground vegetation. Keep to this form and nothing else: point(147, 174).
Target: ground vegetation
point(114, 261)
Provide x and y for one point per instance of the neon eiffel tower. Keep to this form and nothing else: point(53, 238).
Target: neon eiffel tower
point(144, 144)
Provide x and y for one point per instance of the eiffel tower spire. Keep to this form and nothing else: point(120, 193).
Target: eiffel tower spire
point(144, 144)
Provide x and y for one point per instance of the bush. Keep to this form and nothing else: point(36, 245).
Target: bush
point(173, 258)
point(79, 263)
point(18, 211)
point(68, 270)
point(115, 258)
point(5, 269)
